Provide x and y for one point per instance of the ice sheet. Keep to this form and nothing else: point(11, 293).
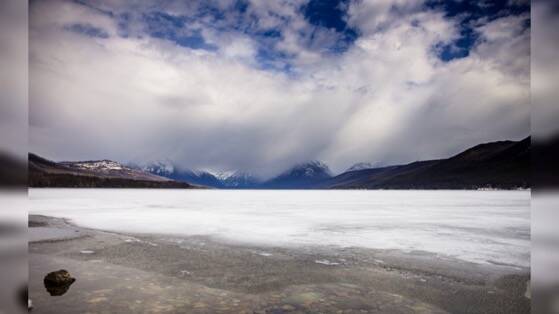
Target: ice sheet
point(477, 226)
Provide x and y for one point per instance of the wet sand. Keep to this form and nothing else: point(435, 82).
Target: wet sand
point(127, 273)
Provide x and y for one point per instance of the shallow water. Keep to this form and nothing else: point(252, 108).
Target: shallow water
point(477, 226)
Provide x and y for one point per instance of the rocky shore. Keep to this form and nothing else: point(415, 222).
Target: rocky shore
point(127, 273)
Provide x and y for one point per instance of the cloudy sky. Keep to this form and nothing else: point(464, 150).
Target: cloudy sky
point(261, 85)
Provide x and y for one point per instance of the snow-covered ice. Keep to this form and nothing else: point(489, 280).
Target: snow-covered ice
point(477, 226)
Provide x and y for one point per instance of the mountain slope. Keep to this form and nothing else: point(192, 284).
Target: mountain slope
point(238, 180)
point(99, 173)
point(301, 176)
point(196, 177)
point(360, 166)
point(504, 164)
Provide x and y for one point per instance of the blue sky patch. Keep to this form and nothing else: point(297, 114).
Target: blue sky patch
point(87, 30)
point(469, 13)
point(328, 18)
point(270, 59)
point(175, 28)
point(331, 14)
point(195, 41)
point(459, 48)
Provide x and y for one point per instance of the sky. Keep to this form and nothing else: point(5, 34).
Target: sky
point(259, 86)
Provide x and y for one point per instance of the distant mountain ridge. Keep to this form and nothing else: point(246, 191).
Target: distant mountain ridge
point(501, 165)
point(95, 173)
point(223, 180)
point(300, 176)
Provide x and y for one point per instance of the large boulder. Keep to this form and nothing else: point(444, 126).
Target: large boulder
point(58, 282)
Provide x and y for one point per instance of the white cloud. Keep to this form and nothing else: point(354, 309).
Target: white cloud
point(387, 99)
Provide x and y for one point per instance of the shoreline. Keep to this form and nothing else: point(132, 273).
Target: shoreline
point(201, 275)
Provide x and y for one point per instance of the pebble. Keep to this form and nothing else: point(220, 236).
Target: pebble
point(288, 307)
point(199, 305)
point(185, 272)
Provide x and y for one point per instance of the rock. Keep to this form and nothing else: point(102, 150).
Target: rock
point(58, 282)
point(60, 277)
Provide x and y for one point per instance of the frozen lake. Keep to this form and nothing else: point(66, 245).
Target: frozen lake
point(477, 226)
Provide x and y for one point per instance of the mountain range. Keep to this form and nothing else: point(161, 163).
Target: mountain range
point(501, 165)
point(96, 173)
point(221, 180)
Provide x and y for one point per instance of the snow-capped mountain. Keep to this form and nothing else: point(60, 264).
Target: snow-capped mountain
point(220, 175)
point(304, 175)
point(220, 179)
point(300, 176)
point(239, 179)
point(109, 168)
point(217, 179)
